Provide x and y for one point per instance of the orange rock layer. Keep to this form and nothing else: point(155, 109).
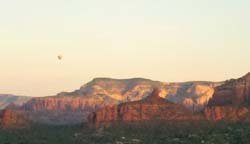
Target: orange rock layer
point(12, 119)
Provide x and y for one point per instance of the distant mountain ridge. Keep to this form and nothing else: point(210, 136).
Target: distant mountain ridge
point(74, 107)
point(7, 99)
point(229, 100)
point(136, 88)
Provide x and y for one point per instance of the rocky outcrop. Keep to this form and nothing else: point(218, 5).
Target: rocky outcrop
point(152, 108)
point(12, 119)
point(230, 101)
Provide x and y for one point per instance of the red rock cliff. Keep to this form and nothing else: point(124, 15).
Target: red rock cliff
point(151, 108)
point(63, 110)
point(12, 119)
point(62, 104)
point(73, 107)
point(230, 101)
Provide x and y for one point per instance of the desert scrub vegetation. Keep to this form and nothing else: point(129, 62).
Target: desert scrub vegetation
point(161, 133)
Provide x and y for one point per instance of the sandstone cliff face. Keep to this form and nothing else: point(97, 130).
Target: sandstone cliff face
point(12, 119)
point(64, 104)
point(227, 113)
point(233, 92)
point(152, 108)
point(230, 101)
point(73, 107)
point(193, 95)
point(63, 110)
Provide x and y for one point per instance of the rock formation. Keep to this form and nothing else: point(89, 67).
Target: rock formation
point(193, 95)
point(63, 110)
point(234, 92)
point(126, 90)
point(7, 99)
point(152, 108)
point(73, 107)
point(227, 113)
point(12, 119)
point(230, 101)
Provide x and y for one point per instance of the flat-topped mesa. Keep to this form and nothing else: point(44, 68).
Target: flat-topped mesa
point(152, 108)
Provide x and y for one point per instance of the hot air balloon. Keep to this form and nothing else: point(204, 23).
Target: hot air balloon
point(59, 57)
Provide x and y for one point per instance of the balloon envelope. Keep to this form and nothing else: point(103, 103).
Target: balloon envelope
point(60, 57)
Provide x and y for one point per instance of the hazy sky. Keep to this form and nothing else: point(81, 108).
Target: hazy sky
point(166, 40)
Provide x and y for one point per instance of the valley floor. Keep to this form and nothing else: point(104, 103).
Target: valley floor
point(187, 133)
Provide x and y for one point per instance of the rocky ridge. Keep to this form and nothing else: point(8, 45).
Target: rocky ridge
point(151, 108)
point(73, 107)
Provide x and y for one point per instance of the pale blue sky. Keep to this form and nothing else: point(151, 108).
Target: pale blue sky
point(177, 40)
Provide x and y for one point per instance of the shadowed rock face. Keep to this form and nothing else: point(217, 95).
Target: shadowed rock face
point(234, 92)
point(63, 110)
point(227, 113)
point(230, 101)
point(152, 108)
point(64, 104)
point(12, 119)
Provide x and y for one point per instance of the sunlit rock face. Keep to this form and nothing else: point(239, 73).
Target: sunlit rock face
point(120, 90)
point(193, 95)
point(230, 101)
point(73, 107)
point(151, 108)
point(198, 93)
point(12, 119)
